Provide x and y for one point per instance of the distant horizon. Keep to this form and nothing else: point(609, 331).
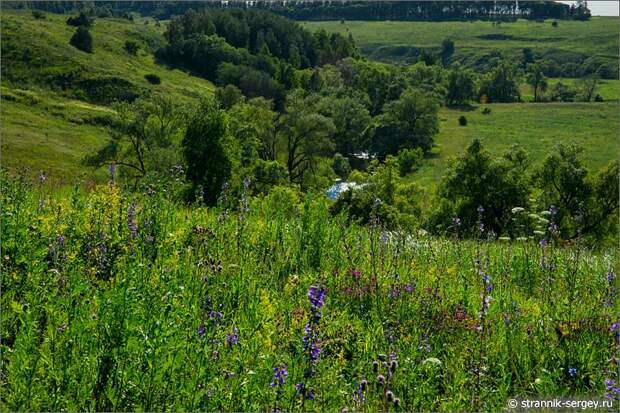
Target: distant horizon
point(601, 8)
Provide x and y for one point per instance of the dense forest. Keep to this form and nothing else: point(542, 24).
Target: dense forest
point(343, 9)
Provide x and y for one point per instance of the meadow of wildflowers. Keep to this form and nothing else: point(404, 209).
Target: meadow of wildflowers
point(123, 301)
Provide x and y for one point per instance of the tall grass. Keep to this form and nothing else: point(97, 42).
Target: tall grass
point(117, 301)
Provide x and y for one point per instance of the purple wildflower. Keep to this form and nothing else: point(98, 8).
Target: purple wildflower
point(201, 331)
point(232, 338)
point(480, 209)
point(456, 222)
point(316, 295)
point(279, 375)
point(553, 210)
point(610, 277)
point(355, 273)
point(572, 372)
point(42, 177)
point(131, 220)
point(612, 391)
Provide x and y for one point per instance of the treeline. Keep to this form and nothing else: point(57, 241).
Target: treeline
point(336, 10)
point(426, 10)
point(256, 51)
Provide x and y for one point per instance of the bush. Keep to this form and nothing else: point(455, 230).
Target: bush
point(486, 111)
point(562, 93)
point(409, 160)
point(152, 78)
point(82, 39)
point(228, 96)
point(341, 166)
point(598, 98)
point(81, 19)
point(207, 147)
point(38, 14)
point(554, 23)
point(462, 120)
point(131, 47)
point(476, 179)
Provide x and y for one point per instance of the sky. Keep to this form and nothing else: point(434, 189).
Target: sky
point(601, 8)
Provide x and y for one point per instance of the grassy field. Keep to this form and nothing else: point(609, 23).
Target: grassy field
point(608, 89)
point(390, 40)
point(45, 127)
point(537, 127)
point(117, 301)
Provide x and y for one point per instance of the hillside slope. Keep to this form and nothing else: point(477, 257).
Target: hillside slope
point(55, 98)
point(593, 42)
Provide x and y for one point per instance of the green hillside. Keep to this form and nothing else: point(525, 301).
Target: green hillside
point(51, 126)
point(537, 127)
point(52, 115)
point(394, 41)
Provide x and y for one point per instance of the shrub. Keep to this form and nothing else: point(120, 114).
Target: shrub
point(207, 148)
point(228, 96)
point(341, 166)
point(554, 23)
point(82, 39)
point(476, 179)
point(486, 111)
point(462, 120)
point(38, 14)
point(131, 47)
point(81, 19)
point(152, 78)
point(598, 98)
point(409, 160)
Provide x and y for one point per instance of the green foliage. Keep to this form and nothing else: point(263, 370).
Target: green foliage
point(254, 50)
point(447, 50)
point(143, 139)
point(38, 15)
point(574, 49)
point(381, 197)
point(152, 78)
point(500, 85)
point(82, 39)
point(476, 180)
point(536, 78)
point(341, 166)
point(411, 121)
point(461, 86)
point(110, 280)
point(228, 96)
point(208, 150)
point(409, 160)
point(256, 126)
point(560, 92)
point(132, 47)
point(306, 135)
point(586, 205)
point(588, 86)
point(268, 174)
point(82, 19)
point(462, 120)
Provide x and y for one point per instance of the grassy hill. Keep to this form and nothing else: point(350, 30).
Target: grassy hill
point(537, 127)
point(571, 40)
point(56, 98)
point(51, 125)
